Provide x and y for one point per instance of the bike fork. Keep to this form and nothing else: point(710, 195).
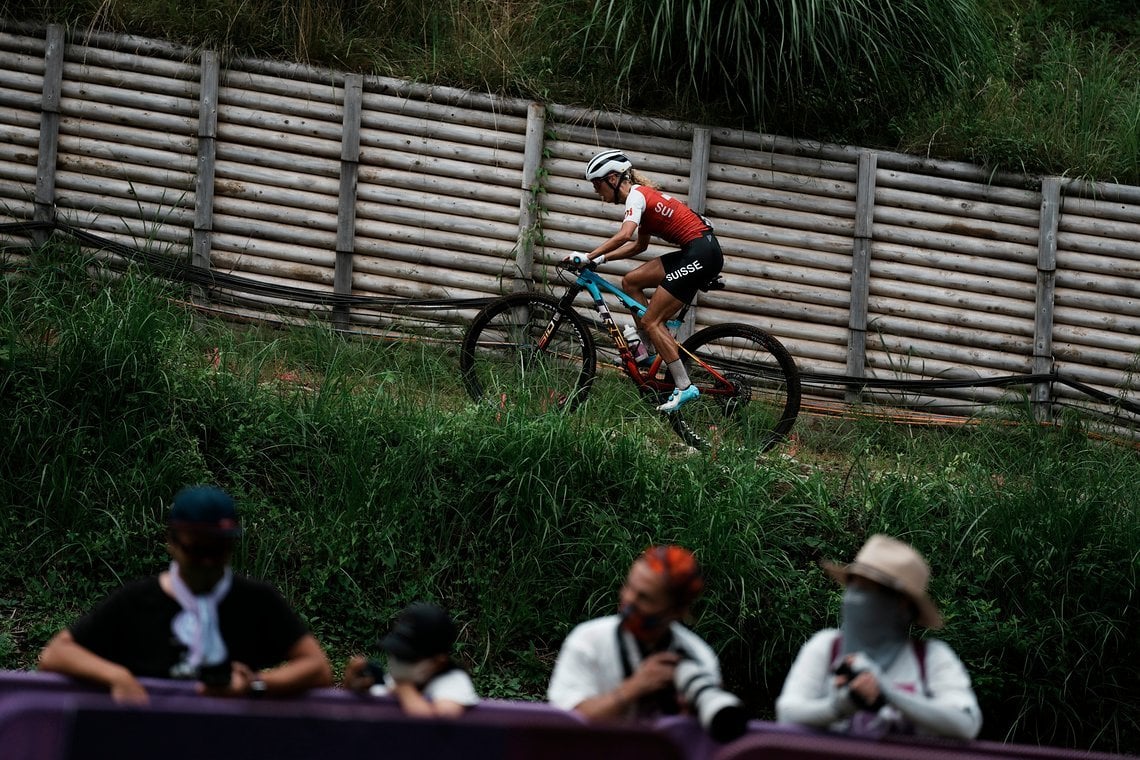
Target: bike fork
point(564, 306)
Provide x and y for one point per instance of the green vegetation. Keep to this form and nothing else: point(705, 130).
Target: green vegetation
point(367, 481)
point(1040, 86)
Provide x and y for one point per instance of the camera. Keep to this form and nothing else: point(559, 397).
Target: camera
point(373, 670)
point(217, 674)
point(721, 713)
point(844, 669)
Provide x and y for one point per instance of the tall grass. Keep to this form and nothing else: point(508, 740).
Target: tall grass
point(779, 51)
point(366, 481)
point(1056, 102)
point(1036, 85)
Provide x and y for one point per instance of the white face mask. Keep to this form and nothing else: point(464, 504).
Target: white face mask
point(419, 672)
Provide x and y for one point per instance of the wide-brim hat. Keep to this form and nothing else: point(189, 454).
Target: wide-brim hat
point(896, 565)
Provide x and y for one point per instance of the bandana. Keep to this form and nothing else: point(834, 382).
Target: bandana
point(196, 625)
point(643, 627)
point(875, 624)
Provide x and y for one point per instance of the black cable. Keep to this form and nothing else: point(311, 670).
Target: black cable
point(193, 275)
point(208, 278)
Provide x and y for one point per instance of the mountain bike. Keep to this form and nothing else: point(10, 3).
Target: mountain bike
point(533, 353)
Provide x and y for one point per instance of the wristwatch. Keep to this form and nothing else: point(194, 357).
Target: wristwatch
point(258, 687)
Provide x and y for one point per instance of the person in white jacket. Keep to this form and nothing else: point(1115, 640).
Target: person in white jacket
point(869, 677)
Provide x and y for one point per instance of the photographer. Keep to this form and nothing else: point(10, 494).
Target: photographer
point(642, 662)
point(421, 674)
point(196, 620)
point(869, 677)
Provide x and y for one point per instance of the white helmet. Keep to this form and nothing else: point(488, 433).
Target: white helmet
point(605, 162)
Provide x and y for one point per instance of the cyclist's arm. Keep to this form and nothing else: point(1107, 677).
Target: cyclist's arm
point(628, 241)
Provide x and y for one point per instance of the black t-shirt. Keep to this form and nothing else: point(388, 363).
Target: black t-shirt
point(132, 627)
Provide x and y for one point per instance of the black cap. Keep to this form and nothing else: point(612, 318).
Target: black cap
point(421, 631)
point(207, 509)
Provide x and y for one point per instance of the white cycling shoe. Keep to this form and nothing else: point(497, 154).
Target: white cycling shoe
point(679, 397)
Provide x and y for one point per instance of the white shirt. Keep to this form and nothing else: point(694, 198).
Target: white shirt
point(453, 686)
point(949, 708)
point(589, 662)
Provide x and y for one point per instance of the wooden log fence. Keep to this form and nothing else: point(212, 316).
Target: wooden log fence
point(868, 264)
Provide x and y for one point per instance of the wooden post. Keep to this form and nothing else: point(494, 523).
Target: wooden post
point(201, 240)
point(1046, 282)
point(698, 190)
point(44, 202)
point(530, 224)
point(346, 203)
point(861, 271)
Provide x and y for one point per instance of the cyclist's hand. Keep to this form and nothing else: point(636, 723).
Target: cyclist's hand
point(578, 260)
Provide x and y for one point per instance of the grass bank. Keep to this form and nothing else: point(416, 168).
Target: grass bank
point(1048, 87)
point(366, 481)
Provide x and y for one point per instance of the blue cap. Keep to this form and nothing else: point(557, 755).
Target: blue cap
point(205, 508)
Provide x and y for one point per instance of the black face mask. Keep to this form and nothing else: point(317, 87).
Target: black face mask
point(643, 627)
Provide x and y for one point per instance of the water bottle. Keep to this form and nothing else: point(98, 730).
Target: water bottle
point(640, 352)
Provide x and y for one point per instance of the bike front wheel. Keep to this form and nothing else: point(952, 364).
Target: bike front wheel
point(525, 353)
point(750, 390)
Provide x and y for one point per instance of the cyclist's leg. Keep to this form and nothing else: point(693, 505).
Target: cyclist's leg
point(681, 276)
point(648, 275)
point(685, 272)
point(661, 308)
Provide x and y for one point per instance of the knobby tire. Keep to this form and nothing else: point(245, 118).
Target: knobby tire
point(757, 406)
point(502, 364)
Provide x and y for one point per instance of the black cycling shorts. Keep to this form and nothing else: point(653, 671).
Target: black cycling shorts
point(692, 267)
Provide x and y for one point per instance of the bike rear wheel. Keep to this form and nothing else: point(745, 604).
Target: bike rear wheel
point(750, 390)
point(505, 363)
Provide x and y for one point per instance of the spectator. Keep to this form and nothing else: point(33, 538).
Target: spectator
point(196, 620)
point(421, 673)
point(870, 677)
point(632, 664)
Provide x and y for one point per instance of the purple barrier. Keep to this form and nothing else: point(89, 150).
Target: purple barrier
point(696, 744)
point(775, 742)
point(488, 710)
point(983, 750)
point(57, 725)
point(12, 681)
point(36, 709)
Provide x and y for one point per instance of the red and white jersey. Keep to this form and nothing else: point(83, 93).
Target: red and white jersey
point(663, 215)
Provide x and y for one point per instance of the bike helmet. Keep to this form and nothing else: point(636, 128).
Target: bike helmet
point(605, 162)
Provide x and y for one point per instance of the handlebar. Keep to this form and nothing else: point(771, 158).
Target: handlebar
point(570, 266)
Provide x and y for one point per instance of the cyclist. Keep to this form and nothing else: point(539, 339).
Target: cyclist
point(677, 275)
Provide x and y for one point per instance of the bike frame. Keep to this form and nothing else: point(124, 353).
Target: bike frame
point(594, 284)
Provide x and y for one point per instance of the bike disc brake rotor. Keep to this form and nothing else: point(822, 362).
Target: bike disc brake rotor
point(741, 396)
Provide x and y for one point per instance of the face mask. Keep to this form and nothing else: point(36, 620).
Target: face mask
point(874, 623)
point(643, 627)
point(417, 672)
